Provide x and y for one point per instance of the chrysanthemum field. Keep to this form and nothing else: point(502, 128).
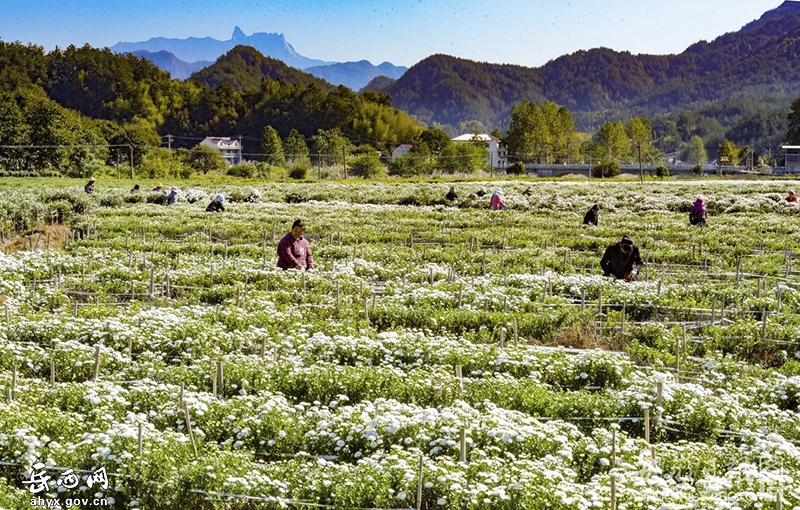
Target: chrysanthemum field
point(438, 356)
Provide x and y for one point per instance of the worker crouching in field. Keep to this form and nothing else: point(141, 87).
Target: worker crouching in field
point(590, 218)
point(698, 213)
point(497, 203)
point(622, 260)
point(89, 188)
point(293, 249)
point(216, 205)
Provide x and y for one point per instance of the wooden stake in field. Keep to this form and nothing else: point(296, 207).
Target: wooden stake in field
point(462, 439)
point(96, 371)
point(189, 429)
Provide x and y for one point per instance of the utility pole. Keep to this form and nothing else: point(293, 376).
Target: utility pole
point(641, 172)
point(344, 162)
point(169, 142)
point(130, 146)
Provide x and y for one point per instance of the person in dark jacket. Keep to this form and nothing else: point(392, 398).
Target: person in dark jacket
point(591, 215)
point(452, 196)
point(173, 196)
point(89, 188)
point(293, 249)
point(622, 260)
point(216, 205)
point(481, 191)
point(135, 189)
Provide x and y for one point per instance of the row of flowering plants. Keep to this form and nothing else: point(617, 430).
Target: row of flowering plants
point(162, 361)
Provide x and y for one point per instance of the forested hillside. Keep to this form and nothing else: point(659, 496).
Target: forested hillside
point(79, 109)
point(758, 64)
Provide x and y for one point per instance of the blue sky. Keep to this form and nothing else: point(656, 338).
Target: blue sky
point(520, 32)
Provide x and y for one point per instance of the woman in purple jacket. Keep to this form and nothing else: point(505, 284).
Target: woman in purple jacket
point(293, 250)
point(698, 213)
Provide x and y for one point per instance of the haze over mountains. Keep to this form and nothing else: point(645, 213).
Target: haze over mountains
point(182, 57)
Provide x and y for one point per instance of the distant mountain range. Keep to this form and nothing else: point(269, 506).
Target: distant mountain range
point(182, 57)
point(760, 62)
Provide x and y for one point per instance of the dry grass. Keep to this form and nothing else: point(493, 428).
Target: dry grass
point(585, 337)
point(38, 239)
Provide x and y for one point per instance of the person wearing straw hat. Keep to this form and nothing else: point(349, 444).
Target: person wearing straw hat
point(89, 188)
point(792, 197)
point(159, 187)
point(621, 260)
point(216, 205)
point(497, 202)
point(698, 212)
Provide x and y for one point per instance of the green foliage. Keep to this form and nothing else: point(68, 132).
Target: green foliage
point(613, 143)
point(540, 133)
point(517, 168)
point(697, 151)
point(271, 147)
point(244, 68)
point(295, 146)
point(728, 154)
point(367, 166)
point(462, 157)
point(662, 171)
point(246, 170)
point(329, 146)
point(299, 170)
point(697, 170)
point(205, 159)
point(605, 169)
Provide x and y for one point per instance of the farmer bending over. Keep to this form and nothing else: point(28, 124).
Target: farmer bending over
point(621, 260)
point(293, 249)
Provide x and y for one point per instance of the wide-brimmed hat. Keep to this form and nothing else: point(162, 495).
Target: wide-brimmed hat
point(498, 191)
point(791, 192)
point(218, 197)
point(173, 188)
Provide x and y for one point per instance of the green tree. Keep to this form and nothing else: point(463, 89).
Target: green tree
point(793, 117)
point(540, 133)
point(435, 139)
point(613, 143)
point(728, 153)
point(367, 166)
point(272, 147)
point(205, 159)
point(462, 157)
point(330, 147)
point(295, 146)
point(697, 151)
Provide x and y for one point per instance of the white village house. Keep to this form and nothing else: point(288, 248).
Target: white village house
point(498, 156)
point(792, 158)
point(231, 148)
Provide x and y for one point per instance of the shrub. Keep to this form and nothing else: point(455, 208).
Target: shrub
point(111, 201)
point(366, 166)
point(605, 169)
point(517, 168)
point(662, 171)
point(697, 170)
point(246, 170)
point(298, 170)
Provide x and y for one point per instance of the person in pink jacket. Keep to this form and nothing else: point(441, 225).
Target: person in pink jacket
point(293, 250)
point(698, 212)
point(497, 202)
